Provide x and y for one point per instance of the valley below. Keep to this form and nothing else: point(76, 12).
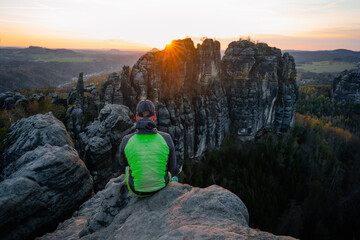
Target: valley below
point(36, 67)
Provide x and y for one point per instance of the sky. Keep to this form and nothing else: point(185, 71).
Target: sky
point(147, 24)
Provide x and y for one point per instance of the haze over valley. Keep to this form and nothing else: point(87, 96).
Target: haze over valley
point(35, 67)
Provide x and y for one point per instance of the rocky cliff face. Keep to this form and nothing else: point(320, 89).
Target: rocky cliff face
point(184, 83)
point(260, 86)
point(346, 86)
point(176, 212)
point(44, 178)
point(201, 98)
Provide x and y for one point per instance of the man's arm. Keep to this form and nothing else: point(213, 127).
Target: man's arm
point(171, 165)
point(172, 157)
point(123, 162)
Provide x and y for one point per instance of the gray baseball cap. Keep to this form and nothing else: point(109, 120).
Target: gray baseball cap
point(145, 105)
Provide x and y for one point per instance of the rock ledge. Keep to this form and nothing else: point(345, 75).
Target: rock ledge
point(179, 211)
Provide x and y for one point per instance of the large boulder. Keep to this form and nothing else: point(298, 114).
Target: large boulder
point(100, 141)
point(179, 211)
point(45, 181)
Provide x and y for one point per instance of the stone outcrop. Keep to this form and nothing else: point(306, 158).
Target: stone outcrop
point(210, 58)
point(260, 86)
point(80, 89)
point(44, 178)
point(110, 90)
point(76, 95)
point(86, 107)
point(175, 212)
point(100, 142)
point(346, 86)
point(38, 97)
point(201, 98)
point(9, 100)
point(85, 97)
point(129, 96)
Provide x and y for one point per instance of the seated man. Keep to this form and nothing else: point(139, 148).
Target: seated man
point(147, 154)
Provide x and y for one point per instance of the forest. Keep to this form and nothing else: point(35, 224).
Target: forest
point(316, 101)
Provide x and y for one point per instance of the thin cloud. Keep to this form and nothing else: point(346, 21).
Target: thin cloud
point(36, 8)
point(36, 5)
point(44, 6)
point(338, 32)
point(333, 4)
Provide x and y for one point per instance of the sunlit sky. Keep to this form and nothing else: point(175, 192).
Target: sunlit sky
point(144, 24)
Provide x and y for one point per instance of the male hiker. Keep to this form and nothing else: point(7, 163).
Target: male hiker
point(147, 154)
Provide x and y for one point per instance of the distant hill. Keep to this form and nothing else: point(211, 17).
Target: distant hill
point(41, 50)
point(344, 55)
point(34, 67)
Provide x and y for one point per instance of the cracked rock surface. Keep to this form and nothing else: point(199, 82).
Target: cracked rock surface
point(44, 179)
point(179, 211)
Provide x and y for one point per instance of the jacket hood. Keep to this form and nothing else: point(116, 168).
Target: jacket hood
point(145, 126)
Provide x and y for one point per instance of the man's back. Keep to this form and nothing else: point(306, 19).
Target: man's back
point(149, 155)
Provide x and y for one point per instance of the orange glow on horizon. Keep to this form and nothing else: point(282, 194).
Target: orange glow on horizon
point(25, 39)
point(307, 41)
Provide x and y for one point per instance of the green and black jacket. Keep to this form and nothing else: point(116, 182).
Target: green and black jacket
point(150, 155)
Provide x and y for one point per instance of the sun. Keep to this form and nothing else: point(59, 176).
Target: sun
point(161, 43)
